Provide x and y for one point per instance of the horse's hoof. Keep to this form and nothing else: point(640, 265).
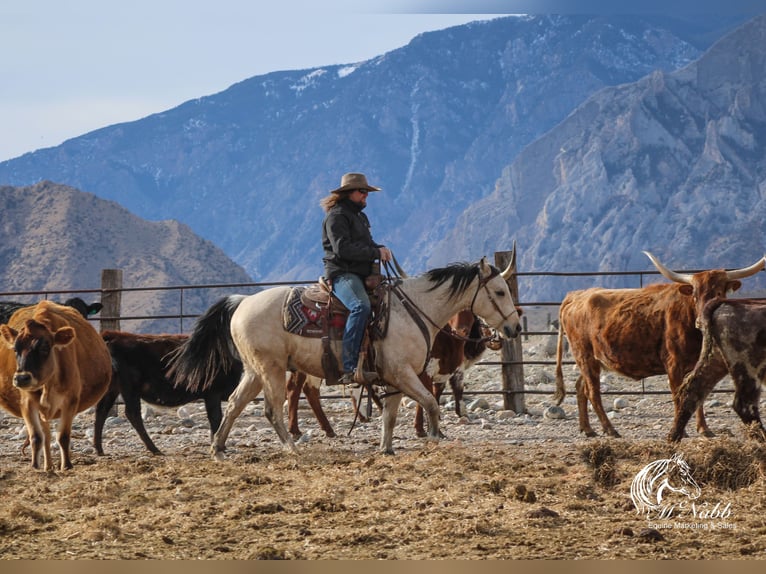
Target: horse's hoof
point(421, 434)
point(590, 433)
point(707, 433)
point(218, 455)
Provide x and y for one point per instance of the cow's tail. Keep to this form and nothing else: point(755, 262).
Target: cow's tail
point(561, 391)
point(209, 349)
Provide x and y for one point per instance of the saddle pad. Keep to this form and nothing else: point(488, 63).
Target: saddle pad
point(300, 319)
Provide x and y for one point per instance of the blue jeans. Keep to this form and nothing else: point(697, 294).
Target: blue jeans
point(349, 288)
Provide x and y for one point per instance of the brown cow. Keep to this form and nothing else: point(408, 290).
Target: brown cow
point(733, 342)
point(638, 333)
point(54, 365)
point(455, 350)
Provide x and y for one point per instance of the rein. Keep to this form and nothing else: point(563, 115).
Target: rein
point(411, 306)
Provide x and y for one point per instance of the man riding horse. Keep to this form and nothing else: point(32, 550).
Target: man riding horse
point(349, 254)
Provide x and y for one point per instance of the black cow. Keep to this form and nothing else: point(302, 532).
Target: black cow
point(139, 365)
point(8, 308)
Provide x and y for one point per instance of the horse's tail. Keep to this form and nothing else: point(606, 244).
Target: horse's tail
point(209, 349)
point(561, 390)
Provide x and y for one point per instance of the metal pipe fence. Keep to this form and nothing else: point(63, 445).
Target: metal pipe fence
point(186, 313)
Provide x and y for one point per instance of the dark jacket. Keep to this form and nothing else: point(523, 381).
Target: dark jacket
point(347, 241)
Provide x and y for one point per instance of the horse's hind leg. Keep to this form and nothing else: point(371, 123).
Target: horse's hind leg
point(248, 388)
point(274, 394)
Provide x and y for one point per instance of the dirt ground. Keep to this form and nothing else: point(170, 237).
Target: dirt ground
point(498, 487)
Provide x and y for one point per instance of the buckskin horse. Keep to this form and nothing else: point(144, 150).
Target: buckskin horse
point(419, 306)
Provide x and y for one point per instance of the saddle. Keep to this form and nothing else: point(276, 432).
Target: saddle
point(313, 311)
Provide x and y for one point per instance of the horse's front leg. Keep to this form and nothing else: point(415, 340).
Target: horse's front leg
point(248, 388)
point(391, 403)
point(409, 384)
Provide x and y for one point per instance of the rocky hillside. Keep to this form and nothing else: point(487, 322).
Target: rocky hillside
point(433, 123)
point(673, 164)
point(56, 237)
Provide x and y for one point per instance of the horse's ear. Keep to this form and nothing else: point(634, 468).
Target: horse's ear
point(485, 269)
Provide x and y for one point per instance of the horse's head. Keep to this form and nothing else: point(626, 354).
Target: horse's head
point(493, 300)
point(680, 478)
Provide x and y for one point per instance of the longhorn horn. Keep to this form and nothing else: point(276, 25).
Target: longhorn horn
point(672, 275)
point(687, 278)
point(506, 274)
point(746, 271)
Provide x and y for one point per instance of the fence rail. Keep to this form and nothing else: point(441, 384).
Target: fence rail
point(512, 393)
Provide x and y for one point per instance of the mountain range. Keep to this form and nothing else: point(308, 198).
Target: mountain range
point(55, 237)
point(585, 139)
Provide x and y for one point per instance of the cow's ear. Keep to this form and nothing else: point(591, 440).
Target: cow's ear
point(686, 289)
point(9, 335)
point(63, 337)
point(732, 286)
point(94, 308)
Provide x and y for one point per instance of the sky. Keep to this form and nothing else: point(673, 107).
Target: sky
point(68, 67)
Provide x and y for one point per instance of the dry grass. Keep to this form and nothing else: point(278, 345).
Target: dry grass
point(453, 500)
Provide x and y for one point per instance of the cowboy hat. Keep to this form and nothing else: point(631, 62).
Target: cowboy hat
point(352, 181)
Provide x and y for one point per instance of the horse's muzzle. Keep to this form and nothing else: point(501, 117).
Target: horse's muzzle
point(510, 333)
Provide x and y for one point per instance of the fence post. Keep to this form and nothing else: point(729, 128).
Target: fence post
point(111, 298)
point(513, 375)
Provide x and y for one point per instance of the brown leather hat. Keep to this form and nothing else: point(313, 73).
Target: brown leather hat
point(351, 181)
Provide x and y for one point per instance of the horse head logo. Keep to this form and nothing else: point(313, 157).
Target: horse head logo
point(660, 478)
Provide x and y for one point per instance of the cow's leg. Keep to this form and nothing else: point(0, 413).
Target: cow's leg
point(582, 408)
point(311, 390)
point(456, 382)
point(438, 390)
point(37, 434)
point(675, 379)
point(746, 396)
point(690, 396)
point(694, 389)
point(213, 410)
point(64, 438)
point(294, 386)
point(420, 430)
point(592, 376)
point(102, 412)
point(133, 414)
point(248, 388)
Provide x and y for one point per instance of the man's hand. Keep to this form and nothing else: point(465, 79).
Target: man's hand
point(385, 254)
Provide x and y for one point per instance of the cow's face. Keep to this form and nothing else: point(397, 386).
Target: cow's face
point(708, 285)
point(33, 346)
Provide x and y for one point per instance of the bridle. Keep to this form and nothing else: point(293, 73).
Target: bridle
point(483, 283)
point(411, 306)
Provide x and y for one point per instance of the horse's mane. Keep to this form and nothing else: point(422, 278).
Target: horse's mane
point(460, 274)
point(642, 488)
